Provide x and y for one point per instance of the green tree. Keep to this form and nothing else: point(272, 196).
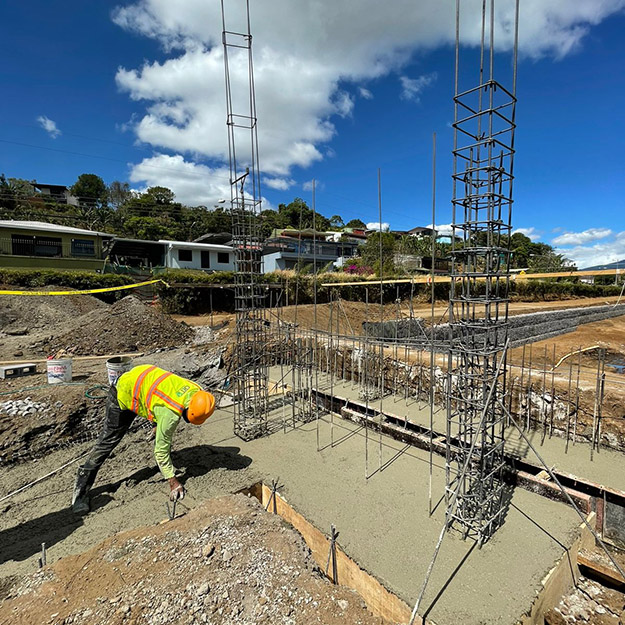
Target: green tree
point(356, 223)
point(160, 196)
point(118, 193)
point(548, 261)
point(336, 221)
point(92, 194)
point(269, 221)
point(370, 252)
point(89, 188)
point(297, 214)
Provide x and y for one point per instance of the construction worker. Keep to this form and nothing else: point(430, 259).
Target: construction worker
point(151, 393)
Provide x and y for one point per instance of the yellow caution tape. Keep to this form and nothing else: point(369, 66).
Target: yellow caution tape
point(577, 351)
point(87, 292)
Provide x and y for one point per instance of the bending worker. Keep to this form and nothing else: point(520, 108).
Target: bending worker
point(151, 393)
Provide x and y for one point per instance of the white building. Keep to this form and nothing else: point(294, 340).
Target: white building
point(206, 256)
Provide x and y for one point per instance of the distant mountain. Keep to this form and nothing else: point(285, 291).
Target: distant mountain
point(619, 264)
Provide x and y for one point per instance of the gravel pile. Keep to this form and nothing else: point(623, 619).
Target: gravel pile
point(226, 562)
point(23, 407)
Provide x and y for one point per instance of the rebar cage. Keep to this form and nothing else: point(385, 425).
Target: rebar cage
point(483, 178)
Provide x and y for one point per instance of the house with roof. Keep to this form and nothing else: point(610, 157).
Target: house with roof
point(56, 192)
point(40, 245)
point(36, 244)
point(289, 248)
point(205, 256)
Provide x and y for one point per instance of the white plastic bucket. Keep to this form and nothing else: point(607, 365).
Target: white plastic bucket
point(116, 366)
point(59, 371)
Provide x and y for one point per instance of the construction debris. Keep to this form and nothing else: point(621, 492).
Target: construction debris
point(227, 561)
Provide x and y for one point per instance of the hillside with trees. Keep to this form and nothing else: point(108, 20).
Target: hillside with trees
point(155, 214)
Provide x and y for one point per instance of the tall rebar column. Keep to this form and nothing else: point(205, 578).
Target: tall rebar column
point(250, 348)
point(483, 154)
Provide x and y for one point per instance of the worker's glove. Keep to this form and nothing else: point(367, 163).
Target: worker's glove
point(177, 492)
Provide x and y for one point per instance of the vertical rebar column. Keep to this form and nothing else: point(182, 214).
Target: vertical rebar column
point(482, 207)
point(251, 345)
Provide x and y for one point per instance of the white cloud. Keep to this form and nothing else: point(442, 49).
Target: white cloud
point(531, 233)
point(444, 230)
point(306, 54)
point(49, 126)
point(365, 93)
point(375, 225)
point(607, 251)
point(344, 104)
point(579, 238)
point(193, 184)
point(413, 87)
point(308, 185)
point(280, 184)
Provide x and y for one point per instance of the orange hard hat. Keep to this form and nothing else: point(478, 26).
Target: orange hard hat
point(201, 406)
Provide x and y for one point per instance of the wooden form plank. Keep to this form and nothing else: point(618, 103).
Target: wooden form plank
point(602, 571)
point(426, 279)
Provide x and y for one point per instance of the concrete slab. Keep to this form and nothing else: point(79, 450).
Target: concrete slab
point(604, 468)
point(384, 522)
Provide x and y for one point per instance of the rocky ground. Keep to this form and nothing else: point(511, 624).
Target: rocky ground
point(590, 602)
point(37, 418)
point(227, 561)
point(42, 327)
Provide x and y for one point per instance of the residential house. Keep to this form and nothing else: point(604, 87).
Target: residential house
point(206, 256)
point(56, 192)
point(287, 249)
point(36, 244)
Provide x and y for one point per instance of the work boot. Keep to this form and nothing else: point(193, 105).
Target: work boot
point(84, 481)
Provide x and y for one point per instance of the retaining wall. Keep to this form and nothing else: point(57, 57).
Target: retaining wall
point(522, 329)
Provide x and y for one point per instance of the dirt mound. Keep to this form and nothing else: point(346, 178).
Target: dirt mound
point(126, 326)
point(227, 561)
point(26, 314)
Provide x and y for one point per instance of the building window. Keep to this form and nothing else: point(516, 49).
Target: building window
point(223, 258)
point(185, 256)
point(205, 260)
point(48, 246)
point(23, 245)
point(83, 247)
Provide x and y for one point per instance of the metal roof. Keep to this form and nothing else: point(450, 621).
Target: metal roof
point(198, 246)
point(42, 225)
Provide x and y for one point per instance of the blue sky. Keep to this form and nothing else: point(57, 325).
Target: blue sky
point(134, 91)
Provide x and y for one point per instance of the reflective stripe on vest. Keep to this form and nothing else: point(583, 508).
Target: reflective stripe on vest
point(148, 397)
point(136, 392)
point(168, 400)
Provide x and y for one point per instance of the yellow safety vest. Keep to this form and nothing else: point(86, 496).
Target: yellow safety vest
point(145, 387)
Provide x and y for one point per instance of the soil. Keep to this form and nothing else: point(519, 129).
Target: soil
point(66, 325)
point(126, 326)
point(34, 313)
point(227, 561)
